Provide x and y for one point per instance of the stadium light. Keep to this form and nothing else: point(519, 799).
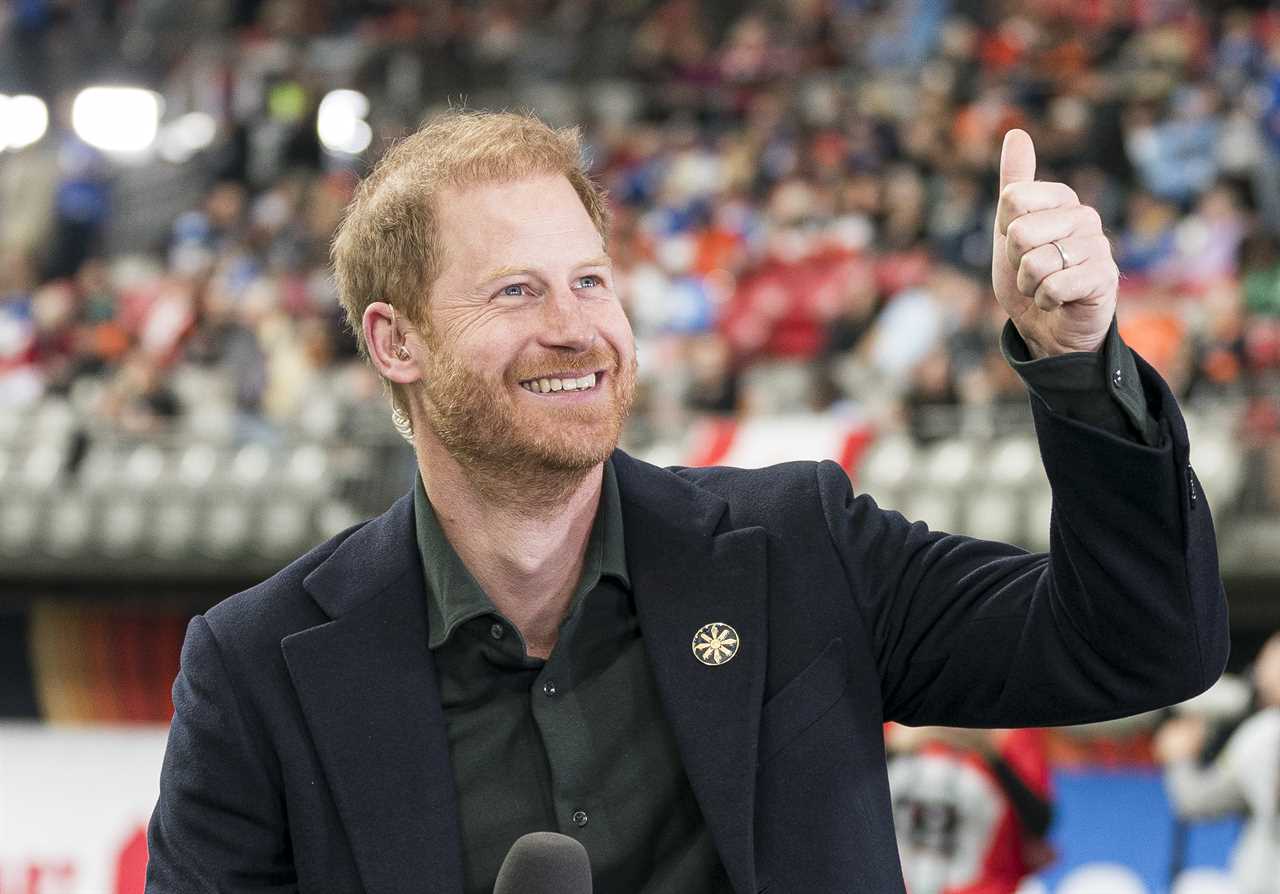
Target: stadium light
point(23, 120)
point(116, 119)
point(185, 136)
point(340, 122)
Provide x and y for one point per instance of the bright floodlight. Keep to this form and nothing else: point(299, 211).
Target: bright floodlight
point(183, 138)
point(340, 122)
point(23, 120)
point(116, 119)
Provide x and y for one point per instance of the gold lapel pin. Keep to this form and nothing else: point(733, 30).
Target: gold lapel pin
point(715, 643)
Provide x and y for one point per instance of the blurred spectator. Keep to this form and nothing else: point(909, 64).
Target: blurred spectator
point(1208, 239)
point(972, 808)
point(802, 196)
point(1175, 155)
point(137, 398)
point(80, 206)
point(1147, 248)
point(1243, 779)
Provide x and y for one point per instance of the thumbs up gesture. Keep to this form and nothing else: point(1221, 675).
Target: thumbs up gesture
point(1051, 264)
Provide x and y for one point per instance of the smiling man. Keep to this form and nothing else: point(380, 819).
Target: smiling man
point(686, 670)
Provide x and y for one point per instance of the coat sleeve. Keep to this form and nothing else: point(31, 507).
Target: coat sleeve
point(1125, 612)
point(220, 823)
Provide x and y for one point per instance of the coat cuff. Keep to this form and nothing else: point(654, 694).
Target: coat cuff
point(1099, 388)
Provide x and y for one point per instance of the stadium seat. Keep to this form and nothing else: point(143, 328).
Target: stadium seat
point(951, 464)
point(123, 524)
point(41, 468)
point(308, 469)
point(70, 526)
point(226, 528)
point(19, 522)
point(173, 528)
point(251, 467)
point(1014, 462)
point(283, 529)
point(1102, 878)
point(145, 467)
point(993, 515)
point(197, 466)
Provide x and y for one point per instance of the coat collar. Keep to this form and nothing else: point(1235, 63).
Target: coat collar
point(368, 689)
point(376, 557)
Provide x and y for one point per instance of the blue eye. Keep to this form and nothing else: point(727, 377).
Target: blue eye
point(591, 280)
point(513, 291)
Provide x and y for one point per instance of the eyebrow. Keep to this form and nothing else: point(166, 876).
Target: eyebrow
point(499, 273)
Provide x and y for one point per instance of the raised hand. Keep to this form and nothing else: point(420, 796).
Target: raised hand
point(1051, 264)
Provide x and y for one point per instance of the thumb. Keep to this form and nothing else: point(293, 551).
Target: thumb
point(1017, 158)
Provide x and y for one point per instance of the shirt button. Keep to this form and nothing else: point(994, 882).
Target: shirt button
point(579, 818)
point(497, 630)
point(549, 690)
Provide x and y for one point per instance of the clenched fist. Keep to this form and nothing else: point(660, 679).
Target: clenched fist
point(1051, 264)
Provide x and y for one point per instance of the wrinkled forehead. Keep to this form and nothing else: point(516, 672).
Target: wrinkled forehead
point(542, 214)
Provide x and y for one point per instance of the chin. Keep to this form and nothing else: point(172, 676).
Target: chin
point(565, 453)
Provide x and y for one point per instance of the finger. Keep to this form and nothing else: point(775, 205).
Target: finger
point(1045, 260)
point(1080, 283)
point(1017, 158)
point(1018, 199)
point(1042, 227)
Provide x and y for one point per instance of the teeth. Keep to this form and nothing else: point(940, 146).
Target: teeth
point(545, 386)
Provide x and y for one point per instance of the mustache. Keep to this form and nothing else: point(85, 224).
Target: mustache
point(596, 359)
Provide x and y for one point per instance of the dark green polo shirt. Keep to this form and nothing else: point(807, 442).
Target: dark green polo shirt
point(577, 743)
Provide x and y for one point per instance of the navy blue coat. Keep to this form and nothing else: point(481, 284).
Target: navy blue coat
point(308, 748)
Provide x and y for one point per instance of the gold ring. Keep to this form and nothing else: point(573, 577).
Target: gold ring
point(1062, 254)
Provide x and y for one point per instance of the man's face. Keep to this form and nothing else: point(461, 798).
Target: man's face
point(525, 299)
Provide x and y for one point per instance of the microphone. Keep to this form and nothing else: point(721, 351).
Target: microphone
point(545, 863)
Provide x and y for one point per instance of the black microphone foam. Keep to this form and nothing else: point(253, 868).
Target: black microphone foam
point(545, 863)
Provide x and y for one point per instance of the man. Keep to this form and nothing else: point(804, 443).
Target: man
point(1243, 779)
point(686, 670)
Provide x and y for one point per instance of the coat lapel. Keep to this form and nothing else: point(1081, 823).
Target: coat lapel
point(367, 686)
point(684, 576)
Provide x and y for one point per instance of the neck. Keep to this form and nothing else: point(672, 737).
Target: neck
point(523, 541)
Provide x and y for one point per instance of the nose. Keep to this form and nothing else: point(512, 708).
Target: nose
point(565, 324)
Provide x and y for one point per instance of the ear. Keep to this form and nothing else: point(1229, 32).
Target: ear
point(393, 345)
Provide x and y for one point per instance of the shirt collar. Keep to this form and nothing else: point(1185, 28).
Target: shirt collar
point(454, 596)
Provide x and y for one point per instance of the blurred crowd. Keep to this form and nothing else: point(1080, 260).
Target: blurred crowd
point(803, 194)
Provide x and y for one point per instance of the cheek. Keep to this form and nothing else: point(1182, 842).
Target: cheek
point(616, 329)
point(467, 364)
